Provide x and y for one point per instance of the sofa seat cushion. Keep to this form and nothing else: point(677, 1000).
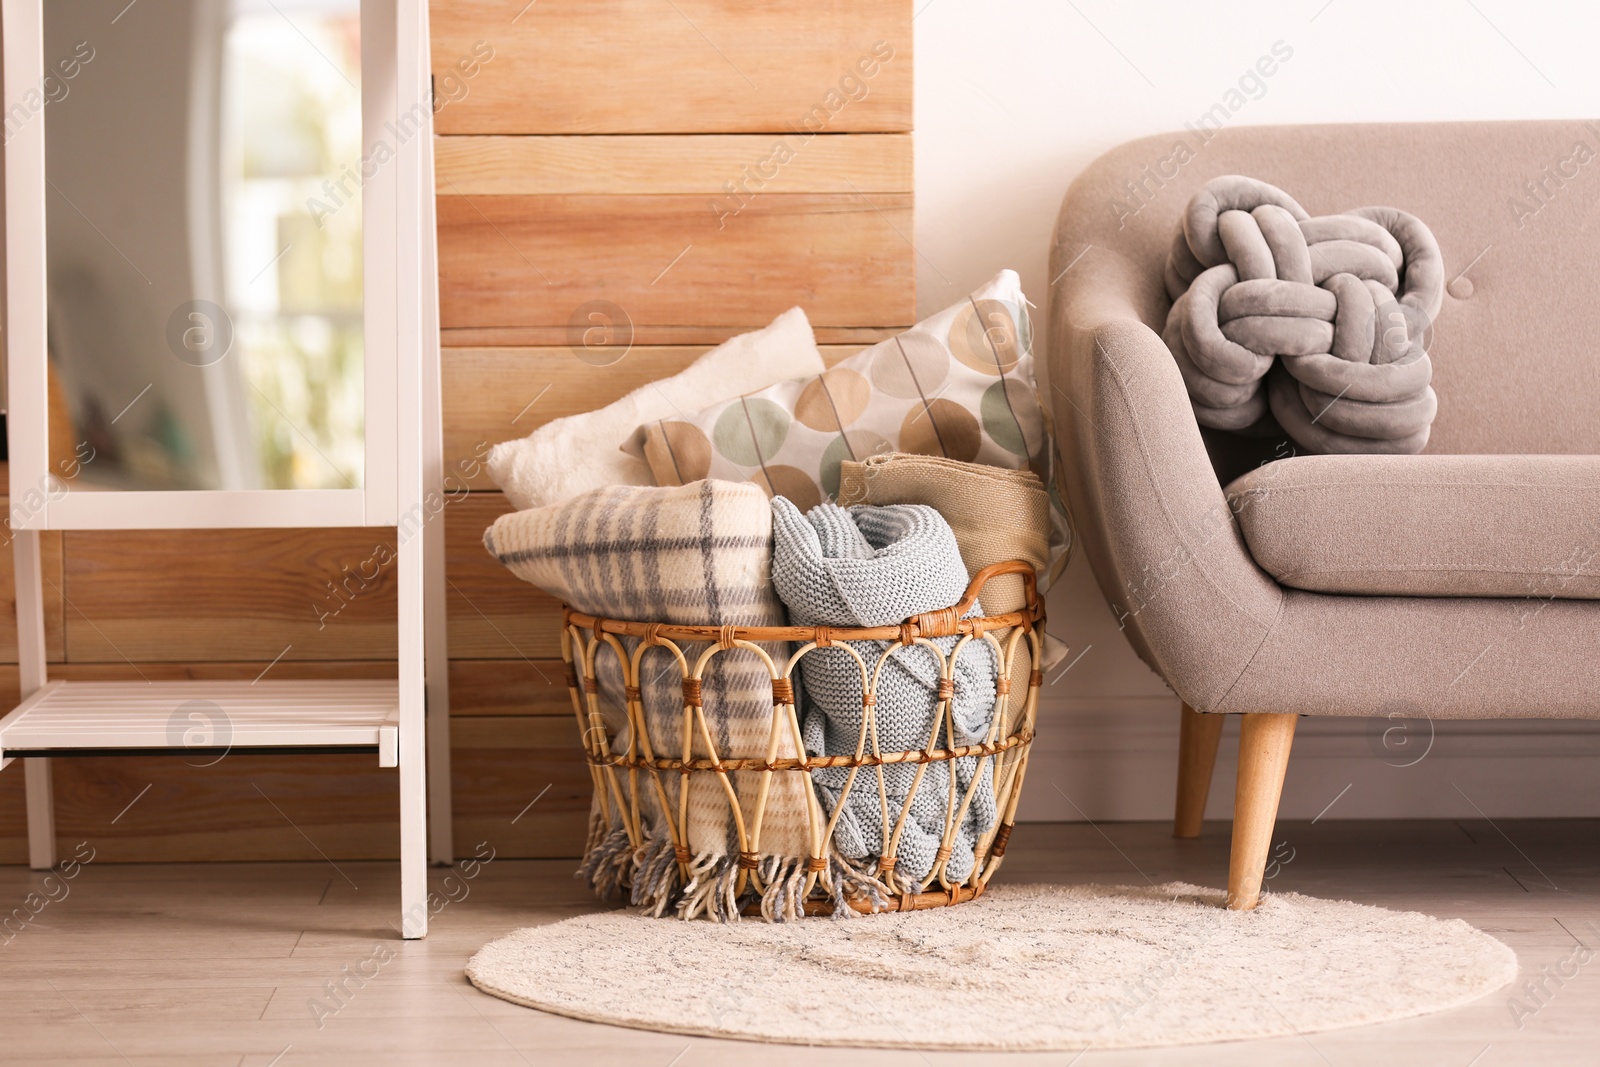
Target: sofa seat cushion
point(1459, 526)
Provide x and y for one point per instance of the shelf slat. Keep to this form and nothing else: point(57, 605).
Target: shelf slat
point(205, 715)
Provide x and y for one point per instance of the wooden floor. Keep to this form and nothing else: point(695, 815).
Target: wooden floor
point(220, 964)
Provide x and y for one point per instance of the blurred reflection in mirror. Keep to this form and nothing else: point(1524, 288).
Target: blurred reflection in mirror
point(204, 243)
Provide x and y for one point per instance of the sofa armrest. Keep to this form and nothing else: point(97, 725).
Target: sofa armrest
point(1153, 520)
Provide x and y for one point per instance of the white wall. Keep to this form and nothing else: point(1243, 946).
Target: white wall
point(1013, 99)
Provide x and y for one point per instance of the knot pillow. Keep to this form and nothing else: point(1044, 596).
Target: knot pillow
point(1324, 320)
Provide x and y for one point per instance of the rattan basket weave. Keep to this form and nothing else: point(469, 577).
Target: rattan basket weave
point(620, 778)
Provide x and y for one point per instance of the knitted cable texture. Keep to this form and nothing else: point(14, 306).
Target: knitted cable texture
point(876, 566)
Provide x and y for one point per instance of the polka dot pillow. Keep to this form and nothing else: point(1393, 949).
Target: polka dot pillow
point(959, 384)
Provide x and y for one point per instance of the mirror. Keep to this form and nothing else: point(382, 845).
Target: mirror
point(204, 243)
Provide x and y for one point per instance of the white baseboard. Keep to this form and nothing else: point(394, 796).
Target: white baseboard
point(1116, 759)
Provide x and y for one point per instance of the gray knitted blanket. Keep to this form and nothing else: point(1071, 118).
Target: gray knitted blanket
point(875, 566)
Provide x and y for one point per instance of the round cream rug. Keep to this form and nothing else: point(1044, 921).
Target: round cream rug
point(1024, 967)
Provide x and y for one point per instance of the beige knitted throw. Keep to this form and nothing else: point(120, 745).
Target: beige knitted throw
point(692, 554)
point(997, 515)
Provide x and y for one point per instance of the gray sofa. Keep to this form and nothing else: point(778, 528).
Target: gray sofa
point(1460, 583)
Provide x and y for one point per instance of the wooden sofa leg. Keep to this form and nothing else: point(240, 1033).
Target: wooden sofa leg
point(1198, 736)
point(1264, 742)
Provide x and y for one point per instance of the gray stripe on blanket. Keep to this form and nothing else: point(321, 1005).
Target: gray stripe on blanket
point(640, 545)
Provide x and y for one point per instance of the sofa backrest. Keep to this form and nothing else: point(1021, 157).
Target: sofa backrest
point(1516, 210)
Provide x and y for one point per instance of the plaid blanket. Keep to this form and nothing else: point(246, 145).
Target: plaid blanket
point(693, 554)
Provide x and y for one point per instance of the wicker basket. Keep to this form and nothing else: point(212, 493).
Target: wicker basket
point(621, 777)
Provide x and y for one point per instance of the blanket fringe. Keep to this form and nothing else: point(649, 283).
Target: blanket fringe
point(608, 864)
point(649, 878)
point(710, 890)
point(656, 878)
point(784, 897)
point(852, 879)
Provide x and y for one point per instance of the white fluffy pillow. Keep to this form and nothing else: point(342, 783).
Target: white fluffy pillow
point(569, 456)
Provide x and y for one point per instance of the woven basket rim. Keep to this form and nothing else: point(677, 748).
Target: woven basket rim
point(945, 622)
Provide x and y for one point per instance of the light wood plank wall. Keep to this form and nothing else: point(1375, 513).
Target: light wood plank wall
point(625, 151)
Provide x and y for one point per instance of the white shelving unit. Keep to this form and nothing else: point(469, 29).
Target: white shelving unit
point(397, 720)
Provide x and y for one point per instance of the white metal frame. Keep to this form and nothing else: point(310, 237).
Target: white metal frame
point(403, 451)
